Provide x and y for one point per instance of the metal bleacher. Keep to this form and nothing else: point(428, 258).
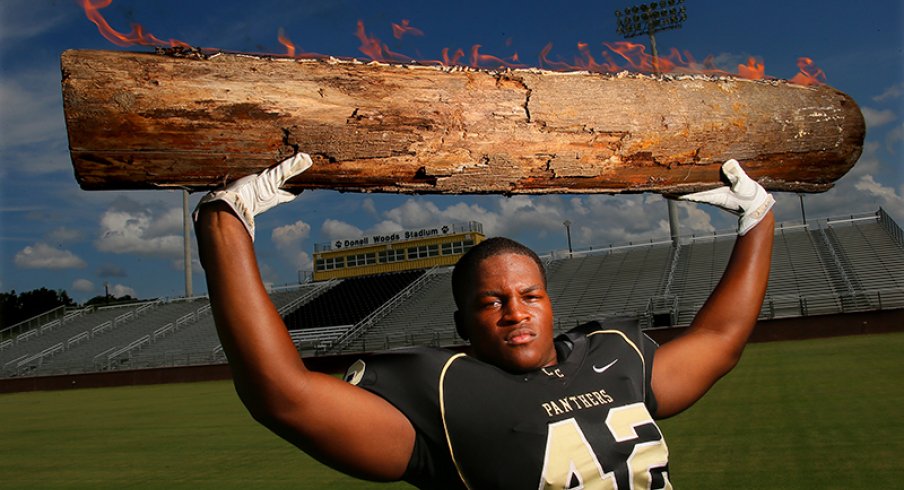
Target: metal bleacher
point(161, 333)
point(645, 280)
point(826, 266)
point(616, 281)
point(36, 347)
point(419, 315)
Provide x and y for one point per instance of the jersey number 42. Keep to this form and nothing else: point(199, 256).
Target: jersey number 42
point(571, 462)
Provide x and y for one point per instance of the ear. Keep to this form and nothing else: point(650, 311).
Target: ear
point(460, 326)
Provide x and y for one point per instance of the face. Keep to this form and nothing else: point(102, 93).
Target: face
point(507, 314)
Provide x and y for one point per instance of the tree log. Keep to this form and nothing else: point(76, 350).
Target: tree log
point(144, 120)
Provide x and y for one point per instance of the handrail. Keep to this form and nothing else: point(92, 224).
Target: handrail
point(124, 317)
point(26, 335)
point(311, 294)
point(49, 326)
point(53, 349)
point(132, 345)
point(77, 338)
point(185, 318)
point(15, 361)
point(104, 353)
point(164, 329)
point(107, 325)
point(384, 309)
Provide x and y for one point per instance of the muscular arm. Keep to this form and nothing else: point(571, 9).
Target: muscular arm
point(685, 368)
point(341, 425)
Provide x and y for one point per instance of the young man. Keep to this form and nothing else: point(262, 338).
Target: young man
point(523, 410)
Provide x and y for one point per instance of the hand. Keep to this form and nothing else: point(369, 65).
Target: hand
point(254, 194)
point(745, 197)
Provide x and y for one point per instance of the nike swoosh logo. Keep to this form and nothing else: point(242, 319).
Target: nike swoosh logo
point(600, 370)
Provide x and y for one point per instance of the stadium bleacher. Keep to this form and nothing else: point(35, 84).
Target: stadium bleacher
point(828, 266)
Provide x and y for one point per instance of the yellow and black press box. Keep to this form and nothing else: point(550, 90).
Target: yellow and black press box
point(394, 252)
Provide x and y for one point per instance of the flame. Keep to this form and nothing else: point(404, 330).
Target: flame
point(810, 74)
point(619, 56)
point(548, 64)
point(447, 61)
point(479, 60)
point(400, 30)
point(285, 41)
point(636, 56)
point(376, 50)
point(136, 36)
point(752, 70)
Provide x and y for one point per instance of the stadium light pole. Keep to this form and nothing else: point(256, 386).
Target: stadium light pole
point(803, 211)
point(567, 224)
point(186, 242)
point(650, 18)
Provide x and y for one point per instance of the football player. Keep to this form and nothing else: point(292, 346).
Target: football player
point(521, 409)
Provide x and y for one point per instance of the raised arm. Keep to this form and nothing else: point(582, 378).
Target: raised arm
point(685, 368)
point(341, 425)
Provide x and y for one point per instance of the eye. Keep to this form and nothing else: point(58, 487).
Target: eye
point(493, 303)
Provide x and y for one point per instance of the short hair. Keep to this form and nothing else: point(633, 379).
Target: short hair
point(491, 247)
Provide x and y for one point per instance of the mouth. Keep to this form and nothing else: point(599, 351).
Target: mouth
point(520, 336)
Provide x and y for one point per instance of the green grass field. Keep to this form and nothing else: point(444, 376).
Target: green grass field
point(826, 413)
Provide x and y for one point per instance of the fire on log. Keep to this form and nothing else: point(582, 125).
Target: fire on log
point(141, 120)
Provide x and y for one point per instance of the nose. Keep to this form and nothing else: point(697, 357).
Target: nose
point(514, 312)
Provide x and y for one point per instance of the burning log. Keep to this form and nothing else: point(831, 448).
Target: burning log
point(142, 120)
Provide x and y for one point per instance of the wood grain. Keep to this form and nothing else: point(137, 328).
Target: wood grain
point(145, 120)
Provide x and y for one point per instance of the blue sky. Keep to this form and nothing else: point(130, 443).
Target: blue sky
point(55, 235)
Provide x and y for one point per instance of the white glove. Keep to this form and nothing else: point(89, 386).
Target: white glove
point(745, 198)
point(254, 194)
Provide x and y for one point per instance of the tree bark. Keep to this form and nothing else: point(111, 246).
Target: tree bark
point(143, 120)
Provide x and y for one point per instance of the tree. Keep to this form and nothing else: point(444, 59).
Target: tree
point(16, 308)
point(109, 300)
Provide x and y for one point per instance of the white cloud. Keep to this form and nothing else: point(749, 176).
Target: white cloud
point(140, 232)
point(302, 261)
point(857, 192)
point(894, 138)
point(83, 286)
point(369, 206)
point(168, 223)
point(385, 227)
point(876, 117)
point(290, 235)
point(333, 229)
point(463, 212)
point(414, 213)
point(289, 240)
point(893, 92)
point(886, 196)
point(43, 256)
point(695, 219)
point(119, 290)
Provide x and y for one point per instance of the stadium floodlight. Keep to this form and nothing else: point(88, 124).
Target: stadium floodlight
point(650, 18)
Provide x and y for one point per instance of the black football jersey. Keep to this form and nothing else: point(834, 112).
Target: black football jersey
point(585, 423)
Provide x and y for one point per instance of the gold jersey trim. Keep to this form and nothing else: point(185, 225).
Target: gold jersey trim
point(442, 410)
